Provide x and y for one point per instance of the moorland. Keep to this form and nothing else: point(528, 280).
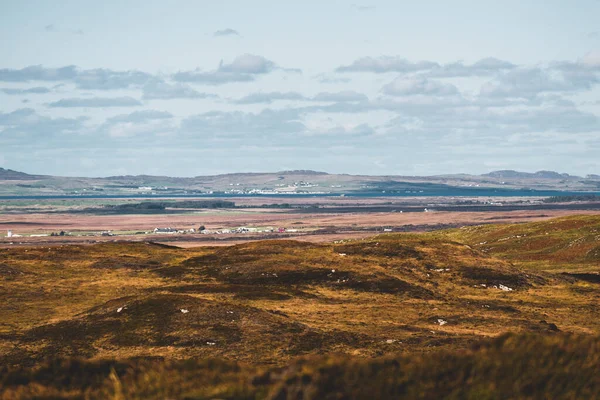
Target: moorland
point(479, 311)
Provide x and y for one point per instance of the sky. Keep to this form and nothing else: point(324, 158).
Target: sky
point(189, 88)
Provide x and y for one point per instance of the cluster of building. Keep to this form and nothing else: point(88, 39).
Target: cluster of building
point(10, 234)
point(173, 230)
point(170, 230)
point(222, 231)
point(286, 190)
point(244, 229)
point(294, 188)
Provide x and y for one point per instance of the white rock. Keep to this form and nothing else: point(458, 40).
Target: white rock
point(184, 311)
point(505, 288)
point(442, 322)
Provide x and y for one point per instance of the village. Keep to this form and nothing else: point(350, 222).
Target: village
point(159, 231)
point(242, 229)
point(281, 188)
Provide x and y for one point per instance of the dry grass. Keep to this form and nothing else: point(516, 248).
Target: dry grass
point(509, 367)
point(266, 303)
point(570, 244)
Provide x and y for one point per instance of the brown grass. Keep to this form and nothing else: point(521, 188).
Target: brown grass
point(511, 366)
point(268, 302)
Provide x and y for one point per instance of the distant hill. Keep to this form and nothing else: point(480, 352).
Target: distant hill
point(508, 174)
point(552, 175)
point(10, 175)
point(291, 181)
point(511, 174)
point(302, 172)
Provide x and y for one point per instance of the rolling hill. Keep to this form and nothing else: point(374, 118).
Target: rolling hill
point(301, 181)
point(124, 313)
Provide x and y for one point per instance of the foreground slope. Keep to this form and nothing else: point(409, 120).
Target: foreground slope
point(509, 367)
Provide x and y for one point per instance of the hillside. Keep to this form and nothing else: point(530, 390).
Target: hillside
point(285, 182)
point(262, 302)
point(418, 299)
point(570, 244)
point(511, 366)
point(10, 175)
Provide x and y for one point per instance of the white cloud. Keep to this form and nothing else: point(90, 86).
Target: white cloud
point(484, 67)
point(244, 68)
point(386, 64)
point(529, 82)
point(419, 86)
point(343, 96)
point(26, 126)
point(91, 79)
point(97, 102)
point(226, 32)
point(33, 90)
point(140, 116)
point(592, 59)
point(164, 91)
point(248, 64)
point(269, 97)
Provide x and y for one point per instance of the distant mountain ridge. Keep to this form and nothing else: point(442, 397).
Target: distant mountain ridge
point(511, 174)
point(9, 174)
point(15, 183)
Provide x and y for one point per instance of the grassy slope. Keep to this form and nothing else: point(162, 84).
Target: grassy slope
point(266, 303)
point(565, 244)
point(511, 366)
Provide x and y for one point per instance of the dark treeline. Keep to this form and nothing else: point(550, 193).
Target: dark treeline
point(565, 199)
point(152, 207)
point(281, 205)
point(162, 205)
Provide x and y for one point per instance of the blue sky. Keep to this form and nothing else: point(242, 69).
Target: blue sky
point(383, 87)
